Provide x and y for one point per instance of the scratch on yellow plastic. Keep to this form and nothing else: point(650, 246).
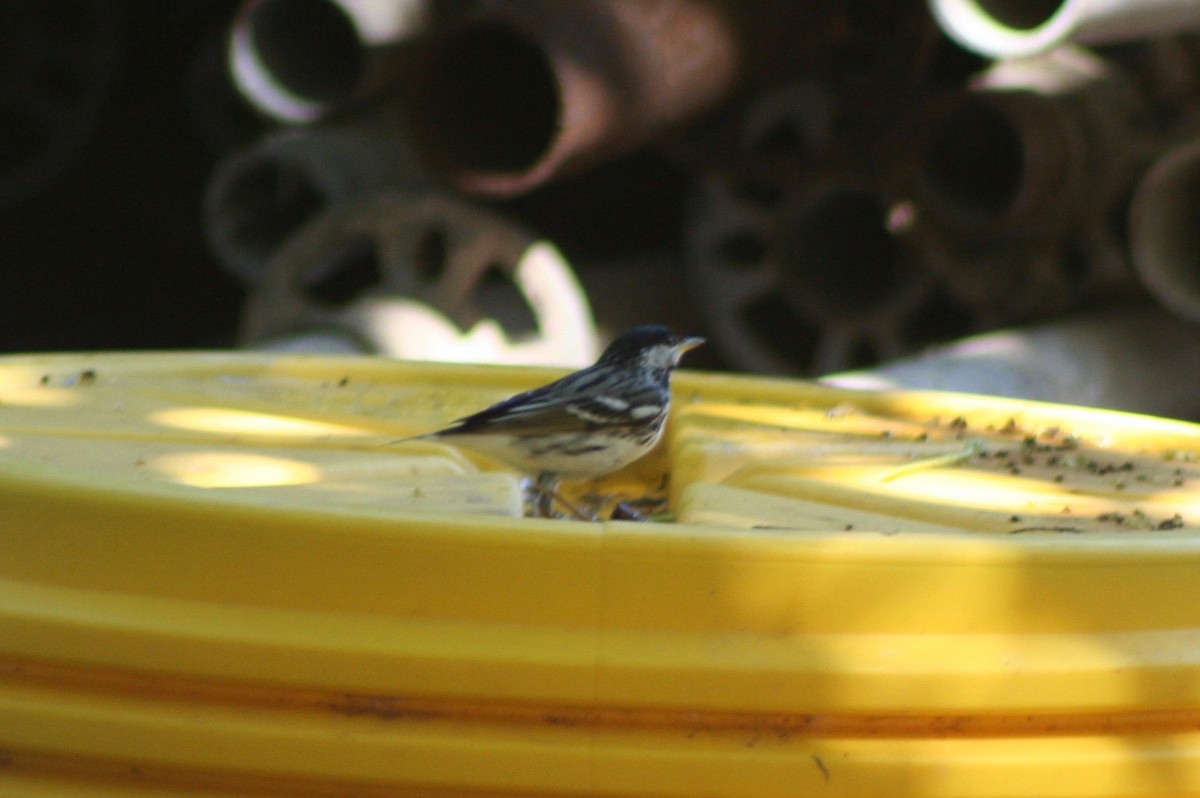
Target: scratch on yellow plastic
point(221, 574)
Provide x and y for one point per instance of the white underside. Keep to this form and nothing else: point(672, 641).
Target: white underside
point(532, 457)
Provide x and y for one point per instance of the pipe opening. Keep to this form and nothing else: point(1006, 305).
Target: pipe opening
point(266, 203)
point(430, 255)
point(741, 249)
point(760, 190)
point(309, 47)
point(974, 160)
point(500, 299)
point(779, 329)
point(493, 100)
point(862, 353)
point(1021, 14)
point(346, 271)
point(940, 317)
point(782, 138)
point(838, 255)
point(1074, 264)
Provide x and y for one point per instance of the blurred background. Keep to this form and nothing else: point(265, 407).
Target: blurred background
point(974, 195)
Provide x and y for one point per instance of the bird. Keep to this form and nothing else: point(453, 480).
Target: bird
point(588, 423)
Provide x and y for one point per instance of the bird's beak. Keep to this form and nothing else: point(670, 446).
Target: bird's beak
point(688, 344)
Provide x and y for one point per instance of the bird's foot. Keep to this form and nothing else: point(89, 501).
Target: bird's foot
point(546, 496)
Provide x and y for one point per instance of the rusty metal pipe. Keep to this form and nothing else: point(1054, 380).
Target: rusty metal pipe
point(1006, 28)
point(300, 60)
point(528, 90)
point(1038, 144)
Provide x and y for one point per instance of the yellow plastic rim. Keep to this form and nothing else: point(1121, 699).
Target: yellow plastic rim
point(218, 573)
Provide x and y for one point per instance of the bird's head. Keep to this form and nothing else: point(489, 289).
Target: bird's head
point(651, 346)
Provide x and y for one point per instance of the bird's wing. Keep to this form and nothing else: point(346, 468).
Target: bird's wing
point(577, 403)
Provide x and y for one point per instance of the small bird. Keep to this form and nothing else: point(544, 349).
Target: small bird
point(588, 423)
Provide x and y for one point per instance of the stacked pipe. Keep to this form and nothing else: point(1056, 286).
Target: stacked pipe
point(1005, 28)
point(862, 186)
point(999, 200)
point(342, 237)
point(1019, 174)
point(506, 97)
point(274, 47)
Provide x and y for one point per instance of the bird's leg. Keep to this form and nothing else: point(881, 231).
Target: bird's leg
point(546, 493)
point(543, 493)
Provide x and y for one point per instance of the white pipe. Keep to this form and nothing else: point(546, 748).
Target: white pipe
point(1006, 28)
point(1137, 358)
point(300, 60)
point(1165, 230)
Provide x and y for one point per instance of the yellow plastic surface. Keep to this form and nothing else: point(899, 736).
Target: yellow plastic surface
point(220, 575)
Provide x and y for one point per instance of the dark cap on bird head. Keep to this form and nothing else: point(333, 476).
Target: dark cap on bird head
point(633, 343)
